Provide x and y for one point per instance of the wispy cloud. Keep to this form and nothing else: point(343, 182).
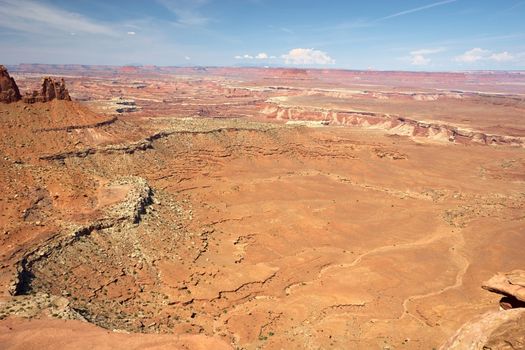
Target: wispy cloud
point(281, 29)
point(502, 57)
point(427, 51)
point(187, 11)
point(478, 54)
point(416, 9)
point(515, 5)
point(287, 30)
point(298, 56)
point(259, 56)
point(34, 17)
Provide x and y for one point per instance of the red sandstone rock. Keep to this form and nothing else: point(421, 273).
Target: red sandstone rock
point(497, 329)
point(511, 284)
point(49, 91)
point(493, 330)
point(8, 90)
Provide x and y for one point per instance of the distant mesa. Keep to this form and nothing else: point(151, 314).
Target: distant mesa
point(8, 89)
point(50, 90)
point(129, 69)
point(294, 73)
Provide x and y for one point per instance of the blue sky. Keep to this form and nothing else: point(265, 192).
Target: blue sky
point(386, 35)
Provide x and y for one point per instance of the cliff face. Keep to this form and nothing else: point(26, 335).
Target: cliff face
point(8, 90)
point(393, 124)
point(50, 90)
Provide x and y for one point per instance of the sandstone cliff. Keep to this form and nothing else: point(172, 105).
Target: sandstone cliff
point(8, 90)
point(49, 91)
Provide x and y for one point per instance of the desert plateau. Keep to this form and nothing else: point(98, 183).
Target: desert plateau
point(259, 208)
point(262, 175)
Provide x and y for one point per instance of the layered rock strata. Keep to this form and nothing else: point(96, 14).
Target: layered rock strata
point(50, 90)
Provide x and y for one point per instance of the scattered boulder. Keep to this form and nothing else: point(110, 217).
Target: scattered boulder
point(50, 90)
point(8, 89)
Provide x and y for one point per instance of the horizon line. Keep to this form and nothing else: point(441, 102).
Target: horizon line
point(270, 67)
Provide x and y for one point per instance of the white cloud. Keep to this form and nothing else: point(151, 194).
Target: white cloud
point(187, 58)
point(502, 57)
point(307, 56)
point(259, 56)
point(35, 17)
point(131, 33)
point(474, 55)
point(419, 60)
point(418, 57)
point(478, 55)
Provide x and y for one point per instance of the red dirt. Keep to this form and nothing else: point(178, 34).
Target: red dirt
point(58, 334)
point(204, 211)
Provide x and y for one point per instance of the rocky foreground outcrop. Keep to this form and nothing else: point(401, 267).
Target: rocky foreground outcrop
point(491, 331)
point(511, 285)
point(8, 89)
point(503, 329)
point(50, 90)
